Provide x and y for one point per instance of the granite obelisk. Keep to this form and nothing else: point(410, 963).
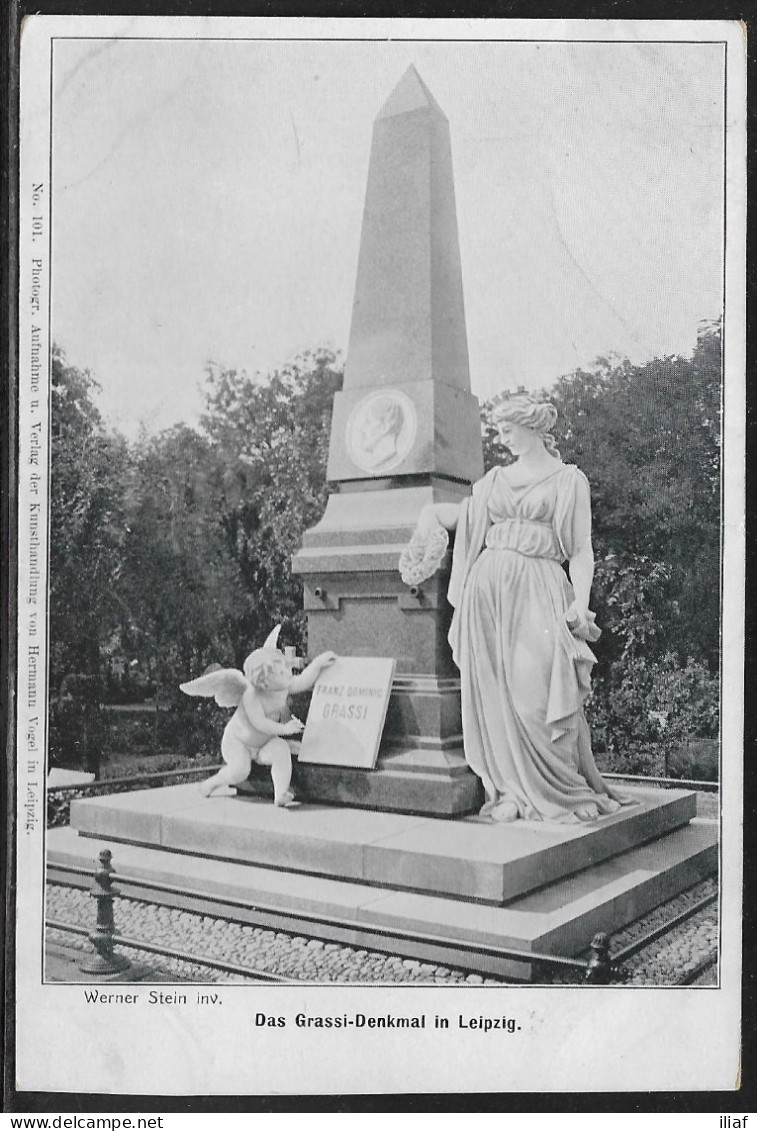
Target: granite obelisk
point(405, 432)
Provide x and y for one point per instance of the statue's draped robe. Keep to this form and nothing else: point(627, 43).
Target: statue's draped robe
point(524, 676)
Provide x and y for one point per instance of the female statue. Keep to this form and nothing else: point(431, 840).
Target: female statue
point(520, 631)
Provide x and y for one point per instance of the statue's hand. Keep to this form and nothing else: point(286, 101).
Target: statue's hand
point(294, 726)
point(428, 522)
point(577, 617)
point(582, 623)
point(326, 659)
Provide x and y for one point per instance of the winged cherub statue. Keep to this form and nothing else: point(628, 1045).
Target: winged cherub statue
point(262, 722)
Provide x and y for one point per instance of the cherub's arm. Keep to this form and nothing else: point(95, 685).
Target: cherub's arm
point(305, 680)
point(253, 708)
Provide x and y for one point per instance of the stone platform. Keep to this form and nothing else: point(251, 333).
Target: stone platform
point(465, 859)
point(351, 874)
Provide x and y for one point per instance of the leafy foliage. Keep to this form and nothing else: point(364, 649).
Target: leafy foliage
point(643, 712)
point(270, 439)
point(648, 439)
point(175, 551)
point(87, 522)
point(78, 733)
point(182, 593)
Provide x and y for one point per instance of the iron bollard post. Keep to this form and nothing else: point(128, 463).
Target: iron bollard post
point(104, 960)
point(599, 971)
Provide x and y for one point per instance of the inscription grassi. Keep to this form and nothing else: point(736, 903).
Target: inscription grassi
point(346, 715)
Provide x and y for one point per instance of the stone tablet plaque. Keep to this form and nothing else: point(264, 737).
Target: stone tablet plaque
point(347, 712)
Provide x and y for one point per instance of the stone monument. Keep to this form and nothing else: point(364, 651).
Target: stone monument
point(405, 433)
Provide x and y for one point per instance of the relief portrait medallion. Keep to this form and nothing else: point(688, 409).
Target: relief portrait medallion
point(381, 431)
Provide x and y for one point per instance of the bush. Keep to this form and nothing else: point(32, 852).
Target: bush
point(696, 760)
point(644, 711)
point(78, 731)
point(141, 736)
point(195, 727)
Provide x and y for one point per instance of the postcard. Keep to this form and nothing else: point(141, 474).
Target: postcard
point(402, 360)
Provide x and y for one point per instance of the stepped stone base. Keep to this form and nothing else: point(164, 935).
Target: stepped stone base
point(560, 918)
point(394, 881)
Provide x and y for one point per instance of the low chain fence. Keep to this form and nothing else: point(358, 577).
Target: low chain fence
point(59, 798)
point(602, 967)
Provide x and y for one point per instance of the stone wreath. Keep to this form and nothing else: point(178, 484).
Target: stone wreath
point(423, 555)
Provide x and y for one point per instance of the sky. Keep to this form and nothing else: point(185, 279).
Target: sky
point(208, 196)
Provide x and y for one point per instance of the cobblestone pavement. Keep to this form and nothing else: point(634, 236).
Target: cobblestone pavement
point(682, 950)
point(296, 957)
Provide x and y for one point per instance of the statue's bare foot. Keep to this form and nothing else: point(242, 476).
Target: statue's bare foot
point(612, 805)
point(486, 809)
point(286, 800)
point(218, 790)
point(504, 812)
point(588, 813)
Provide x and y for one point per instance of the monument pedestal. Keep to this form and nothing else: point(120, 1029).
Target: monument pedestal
point(358, 605)
point(354, 597)
point(437, 783)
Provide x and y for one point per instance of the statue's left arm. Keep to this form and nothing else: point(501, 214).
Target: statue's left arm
point(438, 514)
point(581, 569)
point(580, 551)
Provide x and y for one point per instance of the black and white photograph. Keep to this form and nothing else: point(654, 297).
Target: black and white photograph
point(380, 580)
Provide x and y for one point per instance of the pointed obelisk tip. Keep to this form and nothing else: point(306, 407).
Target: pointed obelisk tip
point(410, 93)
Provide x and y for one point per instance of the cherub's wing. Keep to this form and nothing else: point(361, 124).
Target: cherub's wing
point(226, 684)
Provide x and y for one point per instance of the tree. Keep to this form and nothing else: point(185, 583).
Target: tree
point(214, 517)
point(86, 537)
point(181, 591)
point(87, 523)
point(271, 436)
point(648, 439)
